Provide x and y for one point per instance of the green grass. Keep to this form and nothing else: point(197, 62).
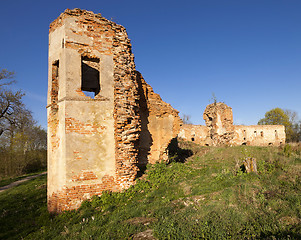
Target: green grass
point(207, 197)
point(23, 209)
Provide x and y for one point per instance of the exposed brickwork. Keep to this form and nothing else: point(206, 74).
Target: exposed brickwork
point(73, 125)
point(127, 119)
point(77, 155)
point(94, 26)
point(111, 39)
point(93, 36)
point(53, 116)
point(71, 197)
point(84, 176)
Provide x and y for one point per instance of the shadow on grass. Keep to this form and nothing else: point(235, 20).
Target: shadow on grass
point(177, 154)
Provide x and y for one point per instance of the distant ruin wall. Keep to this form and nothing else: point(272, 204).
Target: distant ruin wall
point(196, 133)
point(97, 143)
point(219, 130)
point(259, 135)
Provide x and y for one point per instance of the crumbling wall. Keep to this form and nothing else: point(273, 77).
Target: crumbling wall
point(159, 124)
point(219, 130)
point(97, 141)
point(219, 120)
point(195, 133)
point(259, 135)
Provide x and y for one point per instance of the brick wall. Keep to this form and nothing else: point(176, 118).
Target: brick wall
point(136, 109)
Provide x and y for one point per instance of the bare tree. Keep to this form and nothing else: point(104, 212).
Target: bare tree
point(11, 106)
point(5, 77)
point(22, 143)
point(186, 119)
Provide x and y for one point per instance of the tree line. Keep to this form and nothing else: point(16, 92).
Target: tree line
point(288, 118)
point(23, 143)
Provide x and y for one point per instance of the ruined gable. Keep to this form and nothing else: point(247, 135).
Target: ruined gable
point(100, 111)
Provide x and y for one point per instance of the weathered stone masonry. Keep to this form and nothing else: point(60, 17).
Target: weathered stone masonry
point(97, 144)
point(219, 130)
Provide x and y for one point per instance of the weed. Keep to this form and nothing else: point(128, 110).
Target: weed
point(206, 197)
point(287, 150)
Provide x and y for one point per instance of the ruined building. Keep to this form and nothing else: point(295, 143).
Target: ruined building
point(105, 122)
point(219, 130)
point(98, 142)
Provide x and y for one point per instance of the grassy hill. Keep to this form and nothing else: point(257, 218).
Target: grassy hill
point(208, 196)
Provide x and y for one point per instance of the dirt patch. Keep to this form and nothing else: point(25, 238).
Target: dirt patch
point(148, 234)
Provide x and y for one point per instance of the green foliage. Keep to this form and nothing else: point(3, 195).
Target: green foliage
point(287, 150)
point(278, 116)
point(23, 209)
point(207, 197)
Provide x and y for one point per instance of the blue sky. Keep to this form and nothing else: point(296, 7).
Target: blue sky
point(246, 52)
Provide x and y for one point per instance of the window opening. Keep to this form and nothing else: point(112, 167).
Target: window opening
point(261, 133)
point(255, 133)
point(90, 76)
point(55, 83)
point(192, 139)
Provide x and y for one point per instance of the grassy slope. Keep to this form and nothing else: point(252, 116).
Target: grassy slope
point(206, 197)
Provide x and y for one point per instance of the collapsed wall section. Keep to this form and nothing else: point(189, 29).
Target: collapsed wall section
point(159, 124)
